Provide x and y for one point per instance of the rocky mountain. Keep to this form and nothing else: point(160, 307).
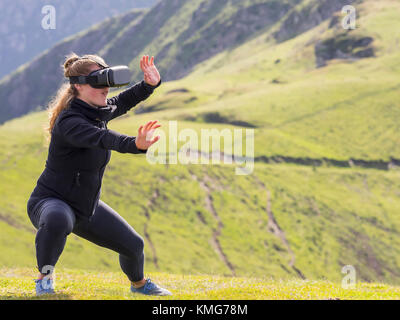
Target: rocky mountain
point(22, 36)
point(179, 34)
point(308, 14)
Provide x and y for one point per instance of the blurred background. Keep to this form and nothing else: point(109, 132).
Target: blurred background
point(322, 99)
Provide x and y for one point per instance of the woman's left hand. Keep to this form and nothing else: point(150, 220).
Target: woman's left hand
point(144, 138)
point(151, 74)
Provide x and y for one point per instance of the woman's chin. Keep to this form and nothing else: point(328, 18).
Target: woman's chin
point(102, 103)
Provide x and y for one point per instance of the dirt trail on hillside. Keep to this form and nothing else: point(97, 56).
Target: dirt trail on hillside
point(216, 232)
point(277, 231)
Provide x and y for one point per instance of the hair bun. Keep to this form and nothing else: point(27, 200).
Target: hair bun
point(70, 60)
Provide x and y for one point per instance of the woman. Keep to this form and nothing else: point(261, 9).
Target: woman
point(67, 195)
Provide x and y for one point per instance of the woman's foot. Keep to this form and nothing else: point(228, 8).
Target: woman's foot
point(151, 288)
point(44, 286)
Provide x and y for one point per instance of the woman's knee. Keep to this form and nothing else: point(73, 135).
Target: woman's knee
point(135, 247)
point(140, 244)
point(57, 219)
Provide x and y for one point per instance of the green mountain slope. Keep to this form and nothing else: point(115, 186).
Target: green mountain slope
point(179, 34)
point(348, 109)
point(283, 220)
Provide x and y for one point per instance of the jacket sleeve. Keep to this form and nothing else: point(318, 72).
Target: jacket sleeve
point(130, 97)
point(82, 134)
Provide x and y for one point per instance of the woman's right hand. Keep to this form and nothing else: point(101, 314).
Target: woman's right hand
point(144, 138)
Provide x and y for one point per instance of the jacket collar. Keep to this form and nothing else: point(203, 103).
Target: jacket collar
point(94, 113)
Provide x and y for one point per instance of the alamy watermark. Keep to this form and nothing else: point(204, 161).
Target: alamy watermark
point(349, 21)
point(191, 152)
point(349, 280)
point(49, 272)
point(49, 20)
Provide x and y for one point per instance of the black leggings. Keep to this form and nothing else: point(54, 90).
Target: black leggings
point(55, 220)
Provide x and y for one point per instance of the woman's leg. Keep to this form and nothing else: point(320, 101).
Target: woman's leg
point(54, 220)
point(108, 229)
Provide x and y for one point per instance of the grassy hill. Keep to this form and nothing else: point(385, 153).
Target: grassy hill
point(180, 34)
point(285, 220)
point(348, 109)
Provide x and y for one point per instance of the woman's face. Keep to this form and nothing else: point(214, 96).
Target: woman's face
point(92, 96)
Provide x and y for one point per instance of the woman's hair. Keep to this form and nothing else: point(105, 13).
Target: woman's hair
point(73, 66)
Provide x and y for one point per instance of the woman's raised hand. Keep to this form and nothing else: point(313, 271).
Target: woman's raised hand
point(144, 138)
point(151, 74)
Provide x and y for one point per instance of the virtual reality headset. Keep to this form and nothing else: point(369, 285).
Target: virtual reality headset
point(117, 76)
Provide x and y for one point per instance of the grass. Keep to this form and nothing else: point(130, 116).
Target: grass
point(73, 284)
point(330, 216)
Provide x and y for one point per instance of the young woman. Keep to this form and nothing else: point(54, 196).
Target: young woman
point(67, 195)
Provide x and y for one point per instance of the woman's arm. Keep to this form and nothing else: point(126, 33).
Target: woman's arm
point(76, 131)
point(129, 98)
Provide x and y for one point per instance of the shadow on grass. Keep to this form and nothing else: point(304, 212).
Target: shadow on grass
point(56, 296)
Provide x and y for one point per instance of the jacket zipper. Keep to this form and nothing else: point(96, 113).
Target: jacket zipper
point(77, 179)
point(98, 189)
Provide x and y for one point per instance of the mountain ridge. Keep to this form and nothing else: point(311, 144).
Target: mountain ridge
point(22, 37)
point(132, 36)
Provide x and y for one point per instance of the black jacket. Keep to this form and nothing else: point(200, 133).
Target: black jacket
point(80, 149)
